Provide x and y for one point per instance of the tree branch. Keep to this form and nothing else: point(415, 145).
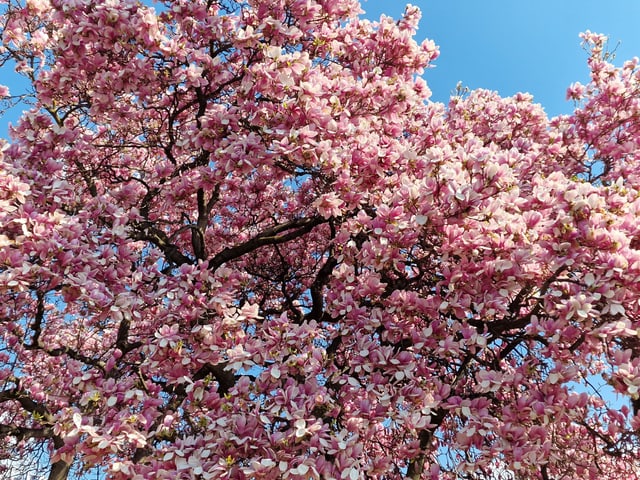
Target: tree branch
point(270, 236)
point(416, 466)
point(149, 233)
point(198, 232)
point(20, 433)
point(511, 322)
point(26, 402)
point(322, 278)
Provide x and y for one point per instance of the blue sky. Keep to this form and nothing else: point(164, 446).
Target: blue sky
point(507, 45)
point(517, 45)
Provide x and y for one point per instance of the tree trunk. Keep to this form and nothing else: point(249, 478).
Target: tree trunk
point(415, 468)
point(59, 470)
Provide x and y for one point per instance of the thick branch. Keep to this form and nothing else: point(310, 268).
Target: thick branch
point(321, 280)
point(122, 340)
point(511, 322)
point(60, 469)
point(38, 319)
point(416, 466)
point(225, 378)
point(271, 236)
point(37, 343)
point(25, 402)
point(544, 473)
point(198, 232)
point(21, 433)
point(160, 239)
point(71, 353)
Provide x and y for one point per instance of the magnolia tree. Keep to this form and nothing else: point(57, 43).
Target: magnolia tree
point(238, 241)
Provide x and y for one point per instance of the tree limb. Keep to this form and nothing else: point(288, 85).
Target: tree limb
point(321, 280)
point(271, 236)
point(172, 253)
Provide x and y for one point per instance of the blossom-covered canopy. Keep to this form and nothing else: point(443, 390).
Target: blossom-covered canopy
point(237, 240)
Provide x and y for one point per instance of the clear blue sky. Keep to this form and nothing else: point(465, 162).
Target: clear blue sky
point(507, 45)
point(517, 45)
